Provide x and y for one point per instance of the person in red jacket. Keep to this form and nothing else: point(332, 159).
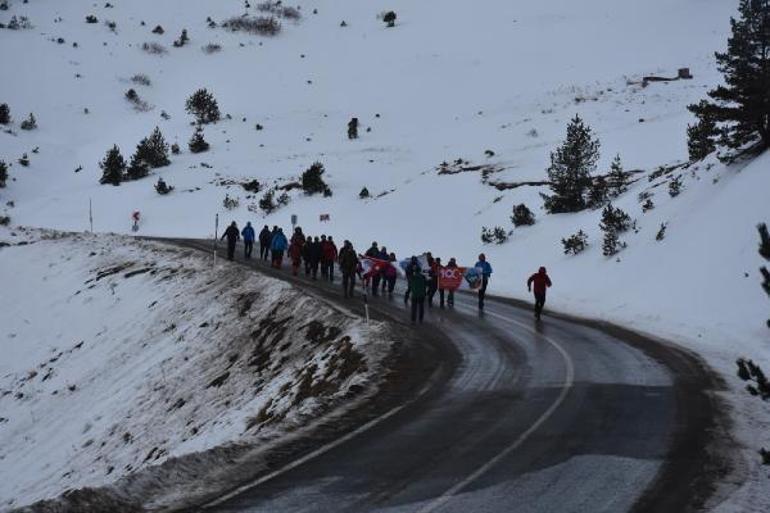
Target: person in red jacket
point(541, 281)
point(328, 257)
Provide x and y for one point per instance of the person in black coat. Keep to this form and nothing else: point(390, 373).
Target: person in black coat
point(265, 238)
point(232, 235)
point(316, 252)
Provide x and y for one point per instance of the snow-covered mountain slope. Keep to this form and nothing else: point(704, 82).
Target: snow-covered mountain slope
point(120, 356)
point(451, 80)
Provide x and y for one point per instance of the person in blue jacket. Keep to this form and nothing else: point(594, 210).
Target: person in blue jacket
point(248, 240)
point(278, 247)
point(486, 271)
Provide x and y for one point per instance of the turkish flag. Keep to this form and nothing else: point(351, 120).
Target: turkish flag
point(372, 265)
point(450, 278)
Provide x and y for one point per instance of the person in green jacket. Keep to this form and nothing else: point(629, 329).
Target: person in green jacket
point(418, 284)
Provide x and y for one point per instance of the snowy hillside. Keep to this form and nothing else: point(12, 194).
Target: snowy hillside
point(450, 81)
point(125, 356)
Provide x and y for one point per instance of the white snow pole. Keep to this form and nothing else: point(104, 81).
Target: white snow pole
point(90, 215)
point(216, 238)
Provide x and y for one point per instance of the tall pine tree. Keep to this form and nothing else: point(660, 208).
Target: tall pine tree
point(571, 167)
point(113, 166)
point(741, 107)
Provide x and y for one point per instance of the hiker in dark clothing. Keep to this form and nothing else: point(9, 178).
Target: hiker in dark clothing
point(349, 266)
point(541, 282)
point(329, 257)
point(486, 271)
point(232, 235)
point(411, 268)
point(385, 256)
point(391, 273)
point(295, 250)
point(306, 254)
point(248, 240)
point(264, 242)
point(418, 284)
point(315, 257)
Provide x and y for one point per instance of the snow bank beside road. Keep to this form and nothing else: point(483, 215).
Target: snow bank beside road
point(119, 355)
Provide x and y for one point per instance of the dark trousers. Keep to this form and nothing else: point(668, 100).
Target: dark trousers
point(327, 270)
point(375, 284)
point(483, 291)
point(230, 250)
point(432, 288)
point(308, 267)
point(451, 298)
point(314, 269)
point(264, 250)
point(348, 283)
point(277, 259)
point(408, 291)
point(418, 309)
point(539, 304)
point(248, 247)
point(391, 284)
point(441, 297)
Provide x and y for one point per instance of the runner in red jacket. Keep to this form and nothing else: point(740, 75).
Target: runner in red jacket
point(541, 282)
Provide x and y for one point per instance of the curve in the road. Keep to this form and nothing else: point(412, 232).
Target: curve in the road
point(553, 416)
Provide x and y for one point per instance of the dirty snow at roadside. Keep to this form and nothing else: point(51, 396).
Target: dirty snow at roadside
point(118, 355)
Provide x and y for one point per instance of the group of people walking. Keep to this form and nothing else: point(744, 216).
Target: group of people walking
point(321, 253)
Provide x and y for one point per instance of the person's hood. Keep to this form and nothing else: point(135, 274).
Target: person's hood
point(541, 270)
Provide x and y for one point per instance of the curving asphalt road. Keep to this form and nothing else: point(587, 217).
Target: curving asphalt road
point(557, 416)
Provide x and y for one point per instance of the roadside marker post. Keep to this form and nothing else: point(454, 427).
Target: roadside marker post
point(90, 215)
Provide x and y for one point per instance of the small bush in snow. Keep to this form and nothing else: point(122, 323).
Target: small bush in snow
point(141, 79)
point(614, 219)
point(133, 97)
point(611, 244)
point(4, 5)
point(113, 167)
point(259, 25)
point(575, 243)
point(183, 39)
point(92, 19)
point(24, 160)
point(648, 205)
point(661, 232)
point(758, 384)
point(5, 114)
point(522, 216)
point(158, 30)
point(283, 200)
point(495, 235)
point(175, 149)
point(154, 48)
point(3, 173)
point(230, 203)
point(112, 25)
point(30, 123)
point(203, 106)
point(197, 143)
point(312, 180)
point(162, 187)
point(364, 193)
point(389, 18)
point(5, 220)
point(251, 186)
point(280, 10)
point(617, 179)
point(212, 48)
point(19, 23)
point(675, 187)
point(267, 203)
